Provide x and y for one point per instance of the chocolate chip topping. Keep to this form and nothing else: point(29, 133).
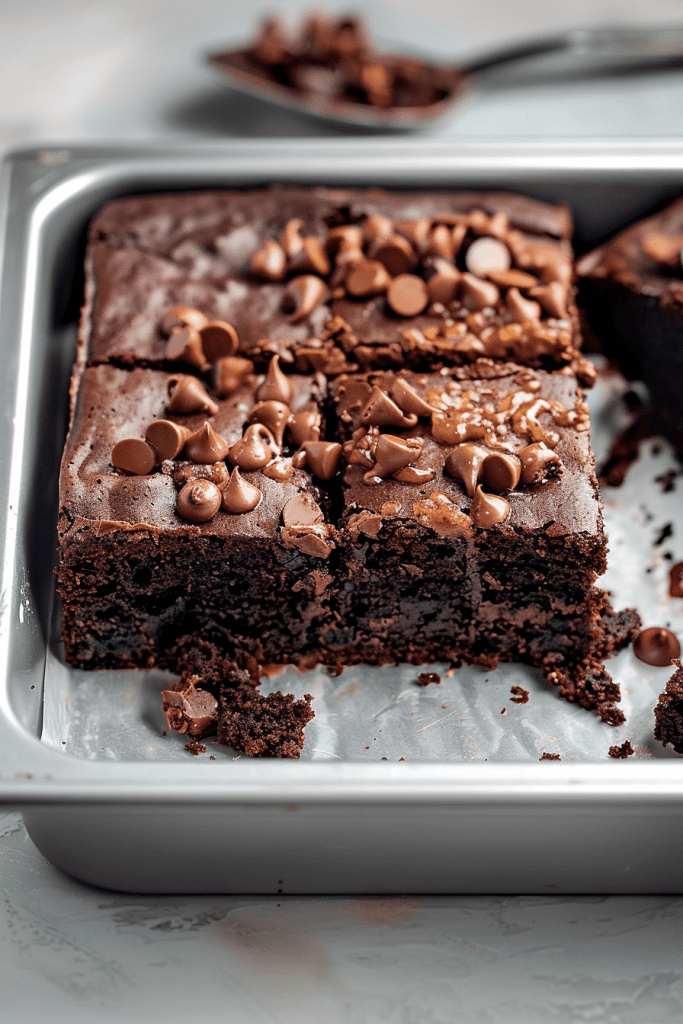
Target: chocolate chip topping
point(553, 298)
point(409, 400)
point(539, 463)
point(477, 294)
point(392, 454)
point(305, 528)
point(301, 510)
point(216, 472)
point(396, 255)
point(205, 445)
point(304, 426)
point(656, 646)
point(183, 316)
point(230, 373)
point(500, 471)
point(276, 387)
point(302, 295)
point(676, 580)
point(270, 261)
point(133, 456)
point(198, 501)
point(464, 464)
point(323, 458)
point(167, 438)
point(442, 286)
point(663, 249)
point(188, 395)
point(274, 415)
point(240, 496)
point(488, 509)
point(407, 295)
point(185, 346)
point(190, 710)
point(487, 254)
point(369, 277)
point(219, 339)
point(255, 450)
point(380, 411)
point(521, 309)
point(440, 514)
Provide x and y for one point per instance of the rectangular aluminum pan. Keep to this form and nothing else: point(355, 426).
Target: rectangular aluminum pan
point(126, 820)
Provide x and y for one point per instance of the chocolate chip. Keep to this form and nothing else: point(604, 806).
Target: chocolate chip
point(440, 514)
point(664, 249)
point(276, 387)
point(219, 340)
point(188, 395)
point(205, 445)
point(377, 227)
point(381, 411)
point(443, 285)
point(274, 415)
point(133, 456)
point(291, 240)
point(500, 471)
point(538, 463)
point(396, 254)
point(344, 238)
point(464, 463)
point(301, 510)
point(369, 277)
point(279, 469)
point(185, 346)
point(183, 316)
point(440, 242)
point(488, 509)
point(167, 438)
point(656, 646)
point(255, 450)
point(553, 298)
point(190, 710)
point(304, 426)
point(302, 295)
point(676, 580)
point(392, 454)
point(407, 295)
point(270, 261)
point(512, 278)
point(230, 373)
point(409, 400)
point(240, 496)
point(198, 501)
point(477, 294)
point(521, 309)
point(323, 458)
point(312, 257)
point(487, 254)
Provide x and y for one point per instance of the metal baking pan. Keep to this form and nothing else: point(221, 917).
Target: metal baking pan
point(470, 809)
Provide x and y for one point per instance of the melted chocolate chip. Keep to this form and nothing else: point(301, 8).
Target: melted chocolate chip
point(538, 463)
point(205, 445)
point(323, 458)
point(440, 514)
point(198, 501)
point(380, 411)
point(409, 400)
point(133, 456)
point(392, 454)
point(500, 471)
point(239, 495)
point(274, 415)
point(464, 464)
point(488, 509)
point(304, 426)
point(656, 646)
point(219, 340)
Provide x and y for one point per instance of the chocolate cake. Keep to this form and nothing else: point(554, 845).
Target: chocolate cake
point(669, 712)
point(631, 289)
point(403, 492)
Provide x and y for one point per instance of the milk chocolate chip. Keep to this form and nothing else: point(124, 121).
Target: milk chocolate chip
point(270, 261)
point(198, 501)
point(185, 346)
point(487, 254)
point(488, 509)
point(230, 373)
point(521, 310)
point(183, 316)
point(512, 278)
point(464, 463)
point(276, 387)
point(367, 278)
point(440, 513)
point(676, 580)
point(409, 400)
point(500, 471)
point(188, 395)
point(305, 528)
point(304, 426)
point(396, 255)
point(205, 445)
point(323, 458)
point(133, 456)
point(477, 294)
point(167, 438)
point(380, 411)
point(539, 463)
point(219, 339)
point(553, 298)
point(392, 454)
point(274, 415)
point(240, 496)
point(190, 710)
point(255, 450)
point(302, 295)
point(407, 295)
point(656, 646)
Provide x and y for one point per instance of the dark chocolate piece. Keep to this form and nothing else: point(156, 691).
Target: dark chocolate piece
point(657, 646)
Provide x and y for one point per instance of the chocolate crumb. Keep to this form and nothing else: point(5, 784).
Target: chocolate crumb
point(519, 695)
point(503, 711)
point(669, 712)
point(545, 756)
point(425, 678)
point(621, 752)
point(667, 481)
point(195, 747)
point(664, 534)
point(263, 726)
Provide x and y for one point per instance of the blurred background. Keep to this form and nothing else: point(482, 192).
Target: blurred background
point(133, 69)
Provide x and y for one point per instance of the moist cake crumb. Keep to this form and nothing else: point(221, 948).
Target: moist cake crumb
point(263, 726)
point(425, 678)
point(669, 712)
point(545, 756)
point(519, 695)
point(623, 751)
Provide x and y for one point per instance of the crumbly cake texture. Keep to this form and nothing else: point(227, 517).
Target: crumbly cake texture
point(380, 501)
point(669, 712)
point(631, 290)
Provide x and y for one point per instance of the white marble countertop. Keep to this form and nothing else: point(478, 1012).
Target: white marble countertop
point(129, 69)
